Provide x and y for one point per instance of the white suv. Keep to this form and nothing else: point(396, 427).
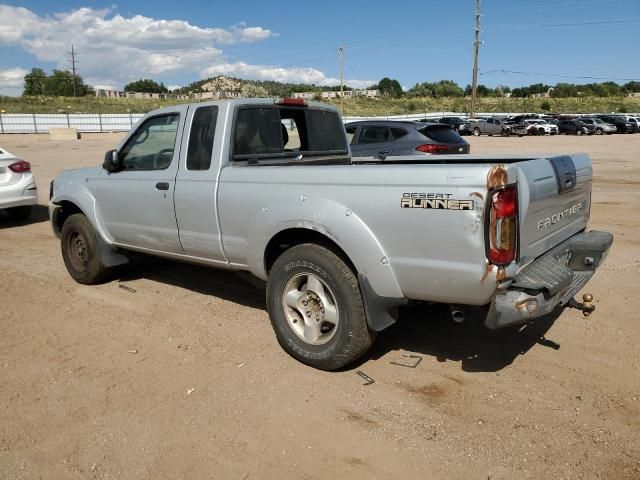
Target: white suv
point(538, 126)
point(18, 191)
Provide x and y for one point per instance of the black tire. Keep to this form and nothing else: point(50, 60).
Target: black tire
point(20, 213)
point(599, 131)
point(352, 336)
point(505, 133)
point(476, 132)
point(541, 131)
point(80, 251)
point(579, 131)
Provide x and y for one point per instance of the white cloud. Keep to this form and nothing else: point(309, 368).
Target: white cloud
point(12, 81)
point(279, 74)
point(114, 50)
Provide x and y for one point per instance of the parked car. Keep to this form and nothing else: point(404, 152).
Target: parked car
point(342, 242)
point(601, 127)
point(575, 127)
point(634, 120)
point(490, 126)
point(539, 126)
point(18, 191)
point(622, 125)
point(372, 138)
point(459, 124)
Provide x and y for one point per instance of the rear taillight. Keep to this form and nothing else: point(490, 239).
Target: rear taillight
point(432, 148)
point(503, 226)
point(20, 166)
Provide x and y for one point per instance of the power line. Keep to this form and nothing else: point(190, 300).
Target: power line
point(560, 75)
point(510, 26)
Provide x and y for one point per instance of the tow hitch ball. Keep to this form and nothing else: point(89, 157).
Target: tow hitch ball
point(586, 307)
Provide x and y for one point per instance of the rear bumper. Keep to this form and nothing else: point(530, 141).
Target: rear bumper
point(549, 281)
point(19, 194)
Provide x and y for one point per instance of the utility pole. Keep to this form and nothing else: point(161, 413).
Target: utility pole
point(476, 46)
point(341, 55)
point(73, 68)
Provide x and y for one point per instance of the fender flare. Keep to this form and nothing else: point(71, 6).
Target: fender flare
point(333, 220)
point(82, 198)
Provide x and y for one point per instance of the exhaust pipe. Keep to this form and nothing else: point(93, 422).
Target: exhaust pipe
point(457, 316)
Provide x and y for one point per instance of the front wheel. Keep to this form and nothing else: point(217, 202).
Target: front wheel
point(316, 308)
point(476, 132)
point(80, 251)
point(579, 131)
point(599, 131)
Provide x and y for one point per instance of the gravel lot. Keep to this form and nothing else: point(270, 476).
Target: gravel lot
point(184, 378)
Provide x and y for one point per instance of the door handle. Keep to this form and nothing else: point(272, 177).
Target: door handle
point(162, 186)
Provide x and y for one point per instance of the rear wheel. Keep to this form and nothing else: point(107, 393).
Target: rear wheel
point(316, 308)
point(80, 251)
point(20, 213)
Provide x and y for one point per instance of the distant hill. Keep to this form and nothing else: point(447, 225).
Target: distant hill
point(276, 89)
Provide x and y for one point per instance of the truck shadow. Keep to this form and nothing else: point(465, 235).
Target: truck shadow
point(428, 330)
point(421, 329)
point(217, 283)
point(39, 214)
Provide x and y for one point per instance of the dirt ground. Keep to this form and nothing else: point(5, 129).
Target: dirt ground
point(183, 378)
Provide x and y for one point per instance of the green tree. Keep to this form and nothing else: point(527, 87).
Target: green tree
point(35, 82)
point(390, 87)
point(145, 85)
point(59, 84)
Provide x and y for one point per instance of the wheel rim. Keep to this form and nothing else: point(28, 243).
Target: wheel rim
point(476, 132)
point(77, 251)
point(310, 308)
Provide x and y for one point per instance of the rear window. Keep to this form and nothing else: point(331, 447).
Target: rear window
point(273, 131)
point(440, 133)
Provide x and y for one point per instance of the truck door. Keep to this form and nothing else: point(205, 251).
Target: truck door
point(135, 204)
point(197, 184)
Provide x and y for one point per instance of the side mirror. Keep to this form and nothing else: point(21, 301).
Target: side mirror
point(111, 161)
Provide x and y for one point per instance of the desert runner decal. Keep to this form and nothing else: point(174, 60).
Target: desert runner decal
point(438, 201)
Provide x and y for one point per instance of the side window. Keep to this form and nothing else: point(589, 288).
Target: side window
point(151, 146)
point(374, 135)
point(398, 132)
point(203, 129)
point(351, 132)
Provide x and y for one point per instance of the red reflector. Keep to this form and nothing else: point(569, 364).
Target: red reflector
point(432, 148)
point(292, 101)
point(504, 203)
point(20, 167)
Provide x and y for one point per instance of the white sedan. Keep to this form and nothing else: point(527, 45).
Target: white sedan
point(18, 191)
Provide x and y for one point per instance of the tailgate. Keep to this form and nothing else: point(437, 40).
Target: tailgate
point(555, 201)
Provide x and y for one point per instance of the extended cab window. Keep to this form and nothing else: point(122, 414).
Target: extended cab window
point(203, 129)
point(151, 146)
point(287, 131)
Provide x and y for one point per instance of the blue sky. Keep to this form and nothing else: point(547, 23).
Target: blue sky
point(180, 42)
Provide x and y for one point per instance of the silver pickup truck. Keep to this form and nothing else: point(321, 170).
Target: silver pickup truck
point(269, 187)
